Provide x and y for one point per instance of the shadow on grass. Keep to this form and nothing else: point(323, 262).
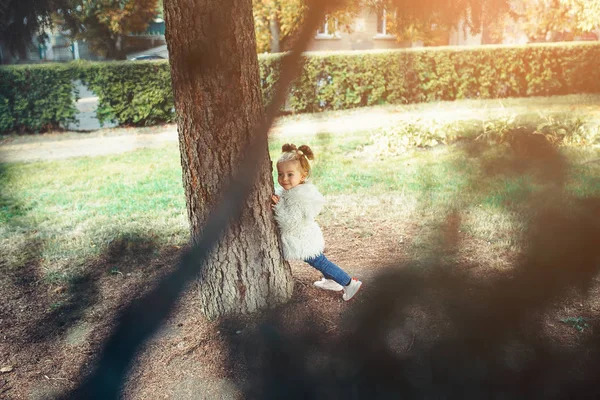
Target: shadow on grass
point(130, 251)
point(436, 331)
point(439, 332)
point(524, 153)
point(45, 306)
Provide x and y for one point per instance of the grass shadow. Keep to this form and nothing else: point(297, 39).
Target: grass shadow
point(526, 153)
point(434, 329)
point(440, 332)
point(57, 301)
point(129, 251)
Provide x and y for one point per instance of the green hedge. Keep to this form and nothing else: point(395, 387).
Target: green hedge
point(36, 98)
point(131, 93)
point(333, 81)
point(139, 93)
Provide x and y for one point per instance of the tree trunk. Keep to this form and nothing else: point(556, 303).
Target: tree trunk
point(120, 48)
point(215, 78)
point(275, 34)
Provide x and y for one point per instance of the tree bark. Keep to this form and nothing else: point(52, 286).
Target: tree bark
point(119, 47)
point(215, 78)
point(275, 34)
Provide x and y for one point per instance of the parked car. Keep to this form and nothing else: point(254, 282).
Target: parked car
point(145, 57)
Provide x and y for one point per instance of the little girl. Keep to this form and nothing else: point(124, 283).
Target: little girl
point(296, 204)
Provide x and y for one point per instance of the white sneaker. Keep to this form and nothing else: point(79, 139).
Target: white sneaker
point(352, 288)
point(328, 284)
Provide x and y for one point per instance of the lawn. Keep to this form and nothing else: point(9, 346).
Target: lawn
point(420, 192)
point(74, 209)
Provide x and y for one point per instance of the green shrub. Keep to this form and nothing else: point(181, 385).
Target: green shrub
point(568, 131)
point(139, 93)
point(36, 98)
point(401, 137)
point(558, 130)
point(131, 93)
point(333, 81)
point(268, 65)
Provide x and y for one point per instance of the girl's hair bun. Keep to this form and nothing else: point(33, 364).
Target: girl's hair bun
point(286, 148)
point(307, 151)
point(292, 153)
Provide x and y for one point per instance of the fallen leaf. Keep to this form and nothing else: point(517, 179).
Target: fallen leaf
point(60, 290)
point(7, 368)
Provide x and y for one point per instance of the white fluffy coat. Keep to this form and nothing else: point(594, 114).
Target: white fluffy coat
point(295, 214)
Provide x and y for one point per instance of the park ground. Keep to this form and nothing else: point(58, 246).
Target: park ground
point(480, 263)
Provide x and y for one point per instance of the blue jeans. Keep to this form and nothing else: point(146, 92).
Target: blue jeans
point(329, 269)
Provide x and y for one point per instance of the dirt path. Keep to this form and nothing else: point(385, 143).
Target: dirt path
point(54, 146)
point(61, 145)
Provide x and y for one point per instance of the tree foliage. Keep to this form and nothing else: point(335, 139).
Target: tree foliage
point(407, 19)
point(586, 12)
point(552, 20)
point(543, 20)
point(21, 21)
point(280, 20)
point(104, 23)
point(426, 19)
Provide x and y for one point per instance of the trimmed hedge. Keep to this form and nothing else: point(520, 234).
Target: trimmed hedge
point(337, 81)
point(131, 93)
point(139, 93)
point(36, 98)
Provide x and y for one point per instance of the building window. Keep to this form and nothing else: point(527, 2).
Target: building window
point(328, 29)
point(382, 24)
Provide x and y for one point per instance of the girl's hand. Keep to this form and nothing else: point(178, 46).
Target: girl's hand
point(274, 201)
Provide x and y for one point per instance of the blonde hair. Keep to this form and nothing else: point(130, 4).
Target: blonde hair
point(302, 154)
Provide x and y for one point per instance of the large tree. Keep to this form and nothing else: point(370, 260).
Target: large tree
point(215, 80)
point(104, 24)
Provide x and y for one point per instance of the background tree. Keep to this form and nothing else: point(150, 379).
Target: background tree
point(104, 24)
point(428, 20)
point(586, 13)
point(22, 21)
point(543, 20)
point(554, 20)
point(277, 22)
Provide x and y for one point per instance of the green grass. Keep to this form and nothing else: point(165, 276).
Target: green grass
point(59, 215)
point(73, 209)
point(420, 188)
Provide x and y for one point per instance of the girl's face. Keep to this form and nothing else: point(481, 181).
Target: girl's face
point(290, 174)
